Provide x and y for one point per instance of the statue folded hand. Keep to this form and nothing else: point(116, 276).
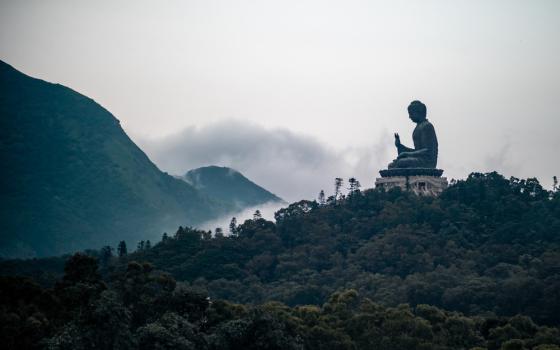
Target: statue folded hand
point(403, 155)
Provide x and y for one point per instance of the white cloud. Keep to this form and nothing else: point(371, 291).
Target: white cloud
point(293, 166)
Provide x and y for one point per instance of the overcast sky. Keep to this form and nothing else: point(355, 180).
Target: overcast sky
point(295, 93)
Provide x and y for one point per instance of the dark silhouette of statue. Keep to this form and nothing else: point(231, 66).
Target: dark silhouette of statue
point(415, 168)
point(425, 151)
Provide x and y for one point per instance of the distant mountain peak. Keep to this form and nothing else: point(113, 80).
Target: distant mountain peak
point(228, 185)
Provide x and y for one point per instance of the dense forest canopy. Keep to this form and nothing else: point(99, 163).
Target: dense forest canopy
point(487, 245)
point(140, 308)
point(371, 269)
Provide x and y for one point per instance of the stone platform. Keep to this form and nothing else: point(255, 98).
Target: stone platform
point(421, 181)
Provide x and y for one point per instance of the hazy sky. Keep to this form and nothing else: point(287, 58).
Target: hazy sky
point(294, 93)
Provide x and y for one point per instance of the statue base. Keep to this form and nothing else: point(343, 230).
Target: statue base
point(421, 181)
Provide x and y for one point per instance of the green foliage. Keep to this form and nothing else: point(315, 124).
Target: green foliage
point(121, 249)
point(486, 245)
point(476, 268)
point(140, 307)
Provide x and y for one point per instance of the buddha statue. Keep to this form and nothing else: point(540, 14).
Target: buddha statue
point(425, 151)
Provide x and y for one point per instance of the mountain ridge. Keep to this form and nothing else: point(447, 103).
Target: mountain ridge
point(73, 179)
point(224, 184)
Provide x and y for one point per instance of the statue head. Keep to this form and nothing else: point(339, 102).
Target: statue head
point(417, 111)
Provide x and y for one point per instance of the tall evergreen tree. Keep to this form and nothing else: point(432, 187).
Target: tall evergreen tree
point(106, 254)
point(337, 186)
point(321, 198)
point(121, 249)
point(257, 215)
point(148, 245)
point(352, 184)
point(233, 226)
point(140, 246)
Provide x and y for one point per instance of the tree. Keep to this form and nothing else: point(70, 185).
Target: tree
point(233, 226)
point(140, 246)
point(180, 232)
point(257, 215)
point(81, 268)
point(121, 249)
point(106, 254)
point(555, 187)
point(321, 198)
point(354, 187)
point(148, 245)
point(206, 235)
point(352, 183)
point(337, 185)
point(165, 237)
point(219, 233)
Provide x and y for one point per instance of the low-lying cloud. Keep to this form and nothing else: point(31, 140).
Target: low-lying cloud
point(267, 211)
point(291, 165)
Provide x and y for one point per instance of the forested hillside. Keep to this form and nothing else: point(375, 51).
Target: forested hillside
point(140, 308)
point(478, 266)
point(487, 245)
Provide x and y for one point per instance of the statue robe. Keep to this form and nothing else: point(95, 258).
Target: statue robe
point(425, 150)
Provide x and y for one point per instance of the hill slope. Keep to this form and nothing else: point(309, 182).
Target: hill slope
point(487, 245)
point(229, 186)
point(72, 179)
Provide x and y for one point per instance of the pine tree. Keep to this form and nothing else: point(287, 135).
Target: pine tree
point(148, 245)
point(337, 185)
point(352, 183)
point(257, 215)
point(140, 246)
point(106, 254)
point(354, 186)
point(233, 226)
point(180, 232)
point(165, 237)
point(121, 249)
point(321, 198)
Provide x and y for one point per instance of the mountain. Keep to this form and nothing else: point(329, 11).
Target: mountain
point(228, 185)
point(72, 179)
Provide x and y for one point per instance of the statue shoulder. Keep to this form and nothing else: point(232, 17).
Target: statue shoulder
point(426, 125)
